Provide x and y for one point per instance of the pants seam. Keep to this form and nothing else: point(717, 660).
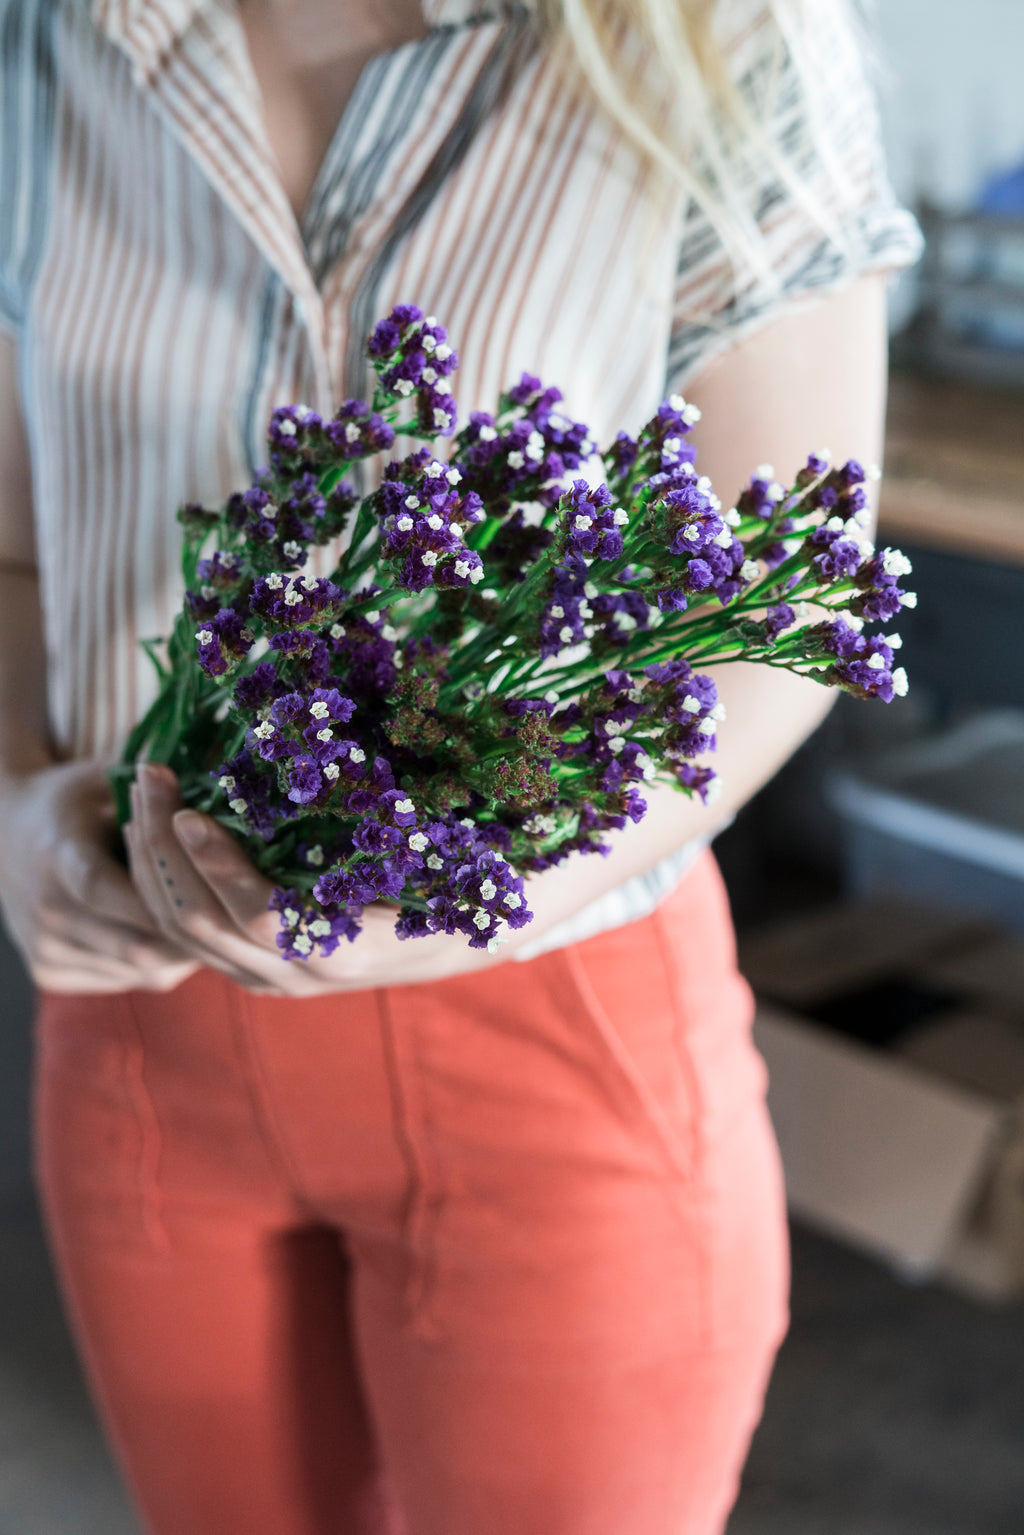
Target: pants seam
point(423, 1204)
point(151, 1139)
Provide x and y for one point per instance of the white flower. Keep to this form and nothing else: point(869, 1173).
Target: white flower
point(327, 734)
point(516, 459)
point(582, 521)
point(565, 634)
point(274, 581)
point(872, 472)
point(876, 663)
point(690, 414)
point(487, 434)
point(690, 704)
point(435, 522)
point(894, 641)
point(672, 444)
point(750, 570)
point(704, 484)
point(835, 525)
point(428, 343)
point(455, 528)
point(302, 943)
point(434, 862)
point(706, 727)
point(443, 352)
point(477, 574)
point(402, 386)
point(351, 432)
point(488, 890)
point(481, 919)
point(733, 517)
point(908, 600)
point(418, 841)
point(204, 636)
point(262, 732)
point(512, 901)
point(724, 539)
point(764, 472)
point(717, 713)
point(440, 417)
point(331, 771)
point(239, 806)
point(336, 632)
point(616, 743)
point(318, 928)
point(895, 563)
point(371, 615)
point(775, 491)
point(900, 685)
point(286, 428)
point(356, 755)
point(404, 523)
point(319, 710)
point(411, 502)
point(462, 569)
point(429, 559)
point(315, 855)
point(429, 375)
point(453, 476)
point(692, 533)
point(677, 403)
point(292, 597)
point(404, 806)
point(290, 917)
point(293, 550)
point(713, 791)
point(227, 782)
point(556, 610)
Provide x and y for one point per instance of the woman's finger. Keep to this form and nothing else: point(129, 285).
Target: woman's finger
point(183, 904)
point(239, 887)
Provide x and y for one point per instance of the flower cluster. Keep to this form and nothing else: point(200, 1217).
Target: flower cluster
point(508, 654)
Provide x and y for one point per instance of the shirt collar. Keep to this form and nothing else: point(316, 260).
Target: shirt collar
point(149, 29)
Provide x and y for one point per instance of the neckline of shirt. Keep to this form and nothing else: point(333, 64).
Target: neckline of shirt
point(151, 28)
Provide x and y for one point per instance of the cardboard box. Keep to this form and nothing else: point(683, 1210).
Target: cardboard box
point(894, 1039)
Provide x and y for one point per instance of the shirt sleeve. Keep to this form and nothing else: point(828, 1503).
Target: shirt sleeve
point(848, 222)
point(27, 114)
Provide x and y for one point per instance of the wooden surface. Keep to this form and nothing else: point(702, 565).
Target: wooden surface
point(954, 469)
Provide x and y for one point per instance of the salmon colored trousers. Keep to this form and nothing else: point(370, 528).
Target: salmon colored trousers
point(499, 1255)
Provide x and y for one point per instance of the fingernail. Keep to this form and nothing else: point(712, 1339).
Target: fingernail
point(153, 775)
point(190, 828)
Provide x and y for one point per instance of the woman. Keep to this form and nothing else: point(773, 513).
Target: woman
point(415, 1238)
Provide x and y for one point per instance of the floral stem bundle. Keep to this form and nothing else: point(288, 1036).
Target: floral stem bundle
point(507, 650)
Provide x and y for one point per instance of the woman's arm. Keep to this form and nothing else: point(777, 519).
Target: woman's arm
point(68, 904)
point(811, 379)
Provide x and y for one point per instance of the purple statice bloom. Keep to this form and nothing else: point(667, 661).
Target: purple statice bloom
point(295, 433)
point(257, 688)
point(269, 741)
point(296, 600)
point(591, 525)
point(222, 570)
point(622, 454)
point(864, 663)
point(562, 620)
point(304, 930)
point(883, 598)
point(222, 642)
point(248, 792)
point(388, 334)
point(306, 783)
point(620, 614)
point(761, 497)
point(839, 552)
point(776, 620)
point(671, 599)
point(356, 431)
point(696, 777)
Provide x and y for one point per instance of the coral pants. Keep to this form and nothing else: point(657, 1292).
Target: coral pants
point(499, 1255)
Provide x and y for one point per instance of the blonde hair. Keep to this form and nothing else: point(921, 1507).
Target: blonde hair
point(661, 69)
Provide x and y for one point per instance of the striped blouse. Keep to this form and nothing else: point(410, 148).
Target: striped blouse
point(165, 297)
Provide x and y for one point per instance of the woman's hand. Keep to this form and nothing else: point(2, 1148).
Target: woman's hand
point(69, 905)
point(208, 899)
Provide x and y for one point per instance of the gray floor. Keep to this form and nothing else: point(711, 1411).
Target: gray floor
point(893, 1411)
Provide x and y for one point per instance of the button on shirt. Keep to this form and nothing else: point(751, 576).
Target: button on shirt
point(165, 298)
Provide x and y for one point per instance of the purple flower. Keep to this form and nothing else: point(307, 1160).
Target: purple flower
point(222, 642)
point(296, 600)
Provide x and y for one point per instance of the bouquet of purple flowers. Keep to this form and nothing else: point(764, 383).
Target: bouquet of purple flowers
point(507, 650)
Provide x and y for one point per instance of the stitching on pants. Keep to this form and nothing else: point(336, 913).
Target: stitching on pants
point(151, 1141)
point(423, 1203)
point(256, 1087)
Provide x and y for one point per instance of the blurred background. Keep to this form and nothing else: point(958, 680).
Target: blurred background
point(878, 889)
